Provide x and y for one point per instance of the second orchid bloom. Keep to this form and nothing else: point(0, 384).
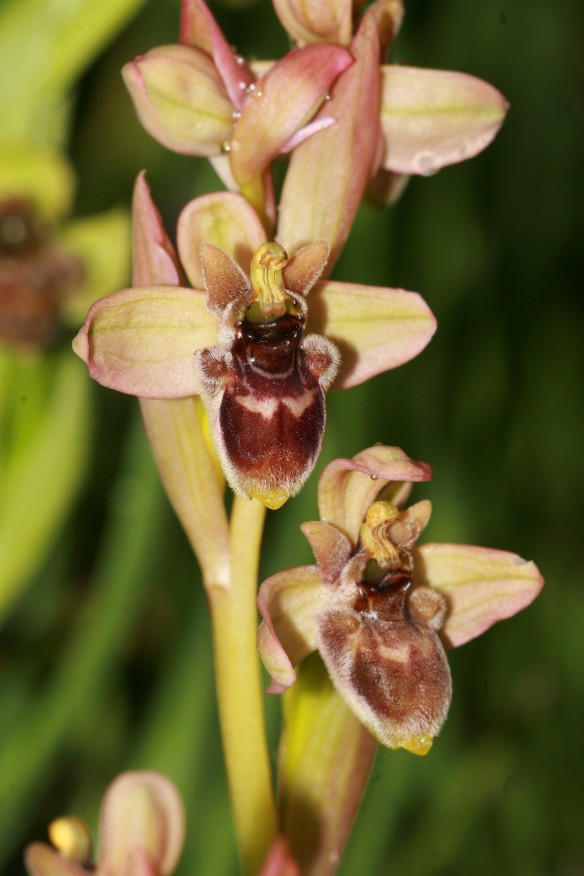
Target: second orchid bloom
point(380, 610)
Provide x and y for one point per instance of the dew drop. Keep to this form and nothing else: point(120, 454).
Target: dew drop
point(327, 97)
point(226, 147)
point(373, 477)
point(239, 60)
point(258, 93)
point(235, 115)
point(425, 163)
point(250, 88)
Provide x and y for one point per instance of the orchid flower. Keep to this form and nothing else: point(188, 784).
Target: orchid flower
point(141, 833)
point(378, 609)
point(239, 343)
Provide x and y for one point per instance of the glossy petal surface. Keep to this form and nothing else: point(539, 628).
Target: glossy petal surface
point(375, 328)
point(432, 118)
point(482, 586)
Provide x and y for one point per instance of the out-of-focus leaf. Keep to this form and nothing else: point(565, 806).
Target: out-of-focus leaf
point(39, 481)
point(41, 176)
point(43, 48)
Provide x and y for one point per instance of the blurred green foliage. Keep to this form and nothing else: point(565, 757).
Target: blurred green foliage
point(105, 661)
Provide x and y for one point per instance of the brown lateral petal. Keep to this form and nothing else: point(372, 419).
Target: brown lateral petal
point(227, 286)
point(306, 266)
point(331, 548)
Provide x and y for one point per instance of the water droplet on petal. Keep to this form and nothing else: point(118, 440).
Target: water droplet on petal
point(425, 163)
point(327, 97)
point(225, 147)
point(250, 88)
point(240, 60)
point(235, 115)
point(373, 477)
point(259, 93)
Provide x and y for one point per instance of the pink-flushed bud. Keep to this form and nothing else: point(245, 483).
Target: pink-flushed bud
point(379, 609)
point(141, 833)
point(180, 99)
point(280, 103)
point(315, 21)
point(432, 118)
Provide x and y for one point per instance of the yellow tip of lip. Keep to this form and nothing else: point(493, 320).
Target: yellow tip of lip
point(272, 500)
point(419, 745)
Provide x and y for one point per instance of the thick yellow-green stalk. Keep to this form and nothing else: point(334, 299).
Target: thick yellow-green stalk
point(239, 690)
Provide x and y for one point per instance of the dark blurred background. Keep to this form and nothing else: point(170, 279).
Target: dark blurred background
point(105, 661)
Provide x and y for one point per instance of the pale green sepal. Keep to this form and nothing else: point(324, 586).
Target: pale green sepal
point(375, 328)
point(39, 176)
point(482, 586)
point(55, 453)
point(432, 118)
point(103, 245)
point(142, 341)
point(324, 762)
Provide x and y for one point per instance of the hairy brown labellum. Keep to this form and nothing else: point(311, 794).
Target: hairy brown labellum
point(383, 653)
point(266, 395)
point(264, 383)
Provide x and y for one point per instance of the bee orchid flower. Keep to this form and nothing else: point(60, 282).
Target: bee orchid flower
point(258, 352)
point(380, 610)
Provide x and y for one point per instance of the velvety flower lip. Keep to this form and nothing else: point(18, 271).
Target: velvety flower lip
point(141, 833)
point(376, 603)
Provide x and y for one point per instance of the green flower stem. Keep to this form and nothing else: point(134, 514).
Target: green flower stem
point(239, 690)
